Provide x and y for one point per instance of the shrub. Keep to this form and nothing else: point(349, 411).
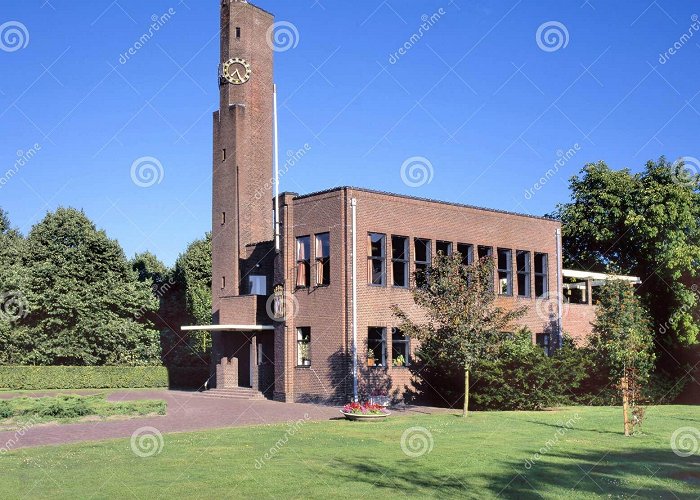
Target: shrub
point(81, 377)
point(5, 410)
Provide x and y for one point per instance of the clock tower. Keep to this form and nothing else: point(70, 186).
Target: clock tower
point(243, 146)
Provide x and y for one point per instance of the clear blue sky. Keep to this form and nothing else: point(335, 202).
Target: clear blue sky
point(476, 95)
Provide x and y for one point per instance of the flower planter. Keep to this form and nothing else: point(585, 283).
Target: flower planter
point(365, 417)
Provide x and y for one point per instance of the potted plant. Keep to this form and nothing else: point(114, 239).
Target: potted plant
point(370, 359)
point(364, 411)
point(399, 360)
point(304, 351)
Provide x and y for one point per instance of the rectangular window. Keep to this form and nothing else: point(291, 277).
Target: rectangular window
point(467, 253)
point(223, 282)
point(377, 259)
point(223, 155)
point(400, 345)
point(486, 252)
point(303, 262)
point(303, 346)
point(423, 253)
point(223, 218)
point(505, 272)
point(523, 265)
point(443, 247)
point(543, 340)
point(323, 259)
point(541, 281)
point(376, 346)
point(399, 261)
point(238, 32)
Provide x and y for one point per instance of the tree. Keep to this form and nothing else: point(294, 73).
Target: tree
point(85, 303)
point(645, 224)
point(464, 323)
point(623, 339)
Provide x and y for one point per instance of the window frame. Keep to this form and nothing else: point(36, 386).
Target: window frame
point(382, 345)
point(468, 258)
point(301, 331)
point(543, 275)
point(508, 271)
point(422, 264)
point(406, 342)
point(371, 259)
point(323, 263)
point(405, 261)
point(306, 262)
point(443, 242)
point(526, 273)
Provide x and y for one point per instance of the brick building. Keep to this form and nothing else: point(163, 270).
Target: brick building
point(290, 307)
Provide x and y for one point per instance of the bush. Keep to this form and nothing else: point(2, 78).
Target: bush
point(5, 410)
point(188, 377)
point(81, 377)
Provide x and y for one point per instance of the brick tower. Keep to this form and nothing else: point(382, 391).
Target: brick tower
point(243, 148)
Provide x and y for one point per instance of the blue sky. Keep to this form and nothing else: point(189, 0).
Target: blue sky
point(486, 108)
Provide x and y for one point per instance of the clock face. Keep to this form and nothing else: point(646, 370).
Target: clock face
point(236, 71)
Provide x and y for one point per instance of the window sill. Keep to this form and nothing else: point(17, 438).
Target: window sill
point(303, 366)
point(376, 286)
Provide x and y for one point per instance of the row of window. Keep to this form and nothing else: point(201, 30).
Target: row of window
point(376, 347)
point(400, 259)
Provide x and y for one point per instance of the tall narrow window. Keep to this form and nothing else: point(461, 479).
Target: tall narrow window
point(223, 218)
point(399, 261)
point(423, 253)
point(523, 265)
point(377, 259)
point(223, 282)
point(467, 253)
point(323, 259)
point(443, 247)
point(505, 271)
point(376, 346)
point(303, 262)
point(303, 346)
point(399, 348)
point(541, 281)
point(238, 32)
point(484, 252)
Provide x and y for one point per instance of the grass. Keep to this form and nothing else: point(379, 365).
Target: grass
point(583, 455)
point(24, 411)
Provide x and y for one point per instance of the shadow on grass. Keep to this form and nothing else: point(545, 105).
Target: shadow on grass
point(632, 473)
point(578, 429)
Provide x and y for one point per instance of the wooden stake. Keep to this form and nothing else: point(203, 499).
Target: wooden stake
point(465, 411)
point(625, 404)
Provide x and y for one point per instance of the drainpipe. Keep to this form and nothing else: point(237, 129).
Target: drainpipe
point(353, 205)
point(560, 296)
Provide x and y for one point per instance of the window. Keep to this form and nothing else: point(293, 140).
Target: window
point(543, 340)
point(399, 261)
point(444, 247)
point(323, 259)
point(303, 262)
point(377, 259)
point(304, 346)
point(223, 282)
point(486, 252)
point(505, 272)
point(223, 218)
point(257, 285)
point(541, 285)
point(423, 255)
point(376, 346)
point(238, 32)
point(467, 253)
point(399, 348)
point(523, 264)
point(223, 155)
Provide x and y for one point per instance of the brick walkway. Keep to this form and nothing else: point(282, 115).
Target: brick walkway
point(187, 411)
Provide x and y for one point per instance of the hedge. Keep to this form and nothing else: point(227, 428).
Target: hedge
point(81, 377)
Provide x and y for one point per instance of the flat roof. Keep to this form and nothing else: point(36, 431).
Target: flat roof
point(417, 198)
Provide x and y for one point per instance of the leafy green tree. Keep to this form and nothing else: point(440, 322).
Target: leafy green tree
point(464, 323)
point(623, 339)
point(85, 301)
point(645, 224)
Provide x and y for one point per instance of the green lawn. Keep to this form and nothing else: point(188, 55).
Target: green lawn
point(481, 457)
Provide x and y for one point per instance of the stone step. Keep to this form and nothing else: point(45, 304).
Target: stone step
point(234, 393)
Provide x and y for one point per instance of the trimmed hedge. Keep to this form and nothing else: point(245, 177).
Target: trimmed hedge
point(81, 377)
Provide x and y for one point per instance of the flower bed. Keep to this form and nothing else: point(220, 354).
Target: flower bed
point(364, 411)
